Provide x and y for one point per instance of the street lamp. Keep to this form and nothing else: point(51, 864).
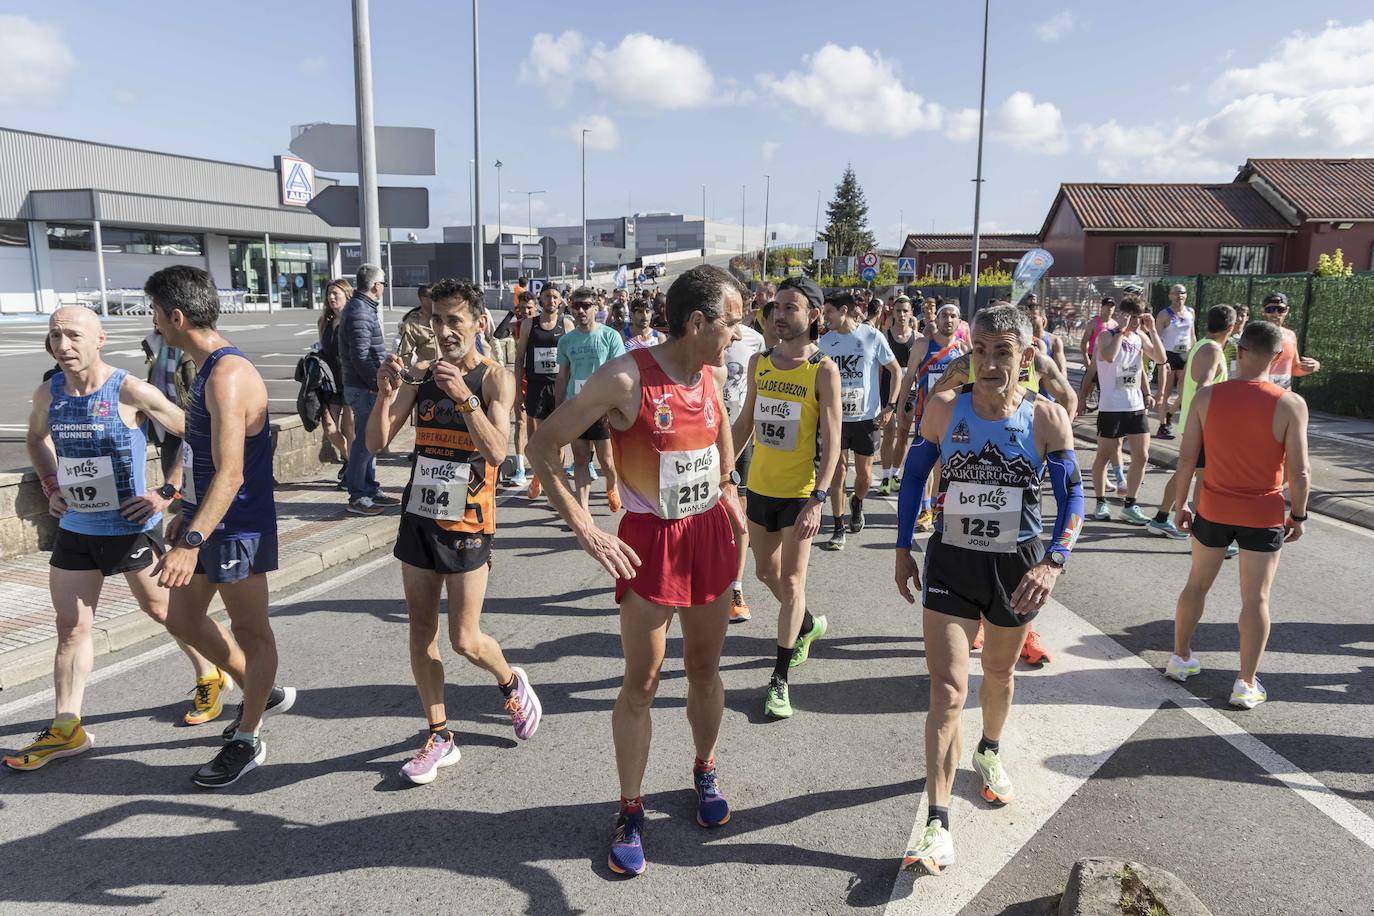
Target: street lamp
point(529, 217)
point(477, 152)
point(585, 131)
point(978, 181)
point(767, 188)
point(500, 259)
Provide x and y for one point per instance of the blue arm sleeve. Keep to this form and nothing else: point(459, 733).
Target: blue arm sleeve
point(1068, 493)
point(920, 459)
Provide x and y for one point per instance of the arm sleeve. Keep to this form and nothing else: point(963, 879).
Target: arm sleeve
point(1068, 493)
point(920, 460)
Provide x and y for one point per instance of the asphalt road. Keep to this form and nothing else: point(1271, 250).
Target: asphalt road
point(1265, 812)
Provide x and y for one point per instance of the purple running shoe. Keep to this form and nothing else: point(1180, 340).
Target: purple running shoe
point(523, 706)
point(438, 752)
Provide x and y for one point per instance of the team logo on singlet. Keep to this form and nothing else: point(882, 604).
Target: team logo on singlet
point(989, 465)
point(100, 408)
point(960, 434)
point(663, 413)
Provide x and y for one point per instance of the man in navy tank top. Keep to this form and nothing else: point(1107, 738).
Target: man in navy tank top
point(994, 441)
point(87, 446)
point(225, 540)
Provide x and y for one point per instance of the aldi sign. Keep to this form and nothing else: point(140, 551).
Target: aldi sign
point(296, 180)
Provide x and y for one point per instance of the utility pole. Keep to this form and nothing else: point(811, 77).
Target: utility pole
point(585, 131)
point(742, 197)
point(472, 230)
point(500, 258)
point(529, 218)
point(368, 232)
point(818, 214)
point(477, 150)
point(978, 181)
point(767, 191)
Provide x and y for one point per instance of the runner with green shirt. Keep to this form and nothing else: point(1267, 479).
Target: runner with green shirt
point(581, 351)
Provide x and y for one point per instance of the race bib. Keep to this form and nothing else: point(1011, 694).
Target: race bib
point(188, 474)
point(576, 386)
point(439, 489)
point(88, 484)
point(1126, 379)
point(852, 402)
point(982, 517)
point(546, 360)
point(688, 482)
point(933, 379)
point(776, 423)
point(1182, 346)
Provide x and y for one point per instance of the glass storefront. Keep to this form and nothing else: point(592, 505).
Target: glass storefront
point(298, 273)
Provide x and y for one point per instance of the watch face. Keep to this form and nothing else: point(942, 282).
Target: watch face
point(194, 538)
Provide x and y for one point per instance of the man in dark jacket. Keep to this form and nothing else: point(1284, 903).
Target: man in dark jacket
point(361, 350)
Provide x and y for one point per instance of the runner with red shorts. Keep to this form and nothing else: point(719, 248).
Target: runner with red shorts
point(675, 553)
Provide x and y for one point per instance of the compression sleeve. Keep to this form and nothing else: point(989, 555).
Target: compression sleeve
point(1068, 493)
point(920, 459)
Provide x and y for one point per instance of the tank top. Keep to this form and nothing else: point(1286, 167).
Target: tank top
point(100, 460)
point(1285, 365)
point(990, 475)
point(634, 343)
point(1175, 333)
point(786, 414)
point(541, 353)
point(1244, 481)
point(253, 511)
point(1098, 327)
point(932, 369)
point(1119, 380)
point(451, 485)
point(902, 351)
point(1190, 386)
point(667, 460)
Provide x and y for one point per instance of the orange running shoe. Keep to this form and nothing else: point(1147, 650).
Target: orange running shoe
point(978, 640)
point(535, 489)
point(1033, 652)
point(739, 611)
point(613, 499)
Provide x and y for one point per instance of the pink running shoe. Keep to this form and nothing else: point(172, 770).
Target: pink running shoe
point(437, 752)
point(523, 706)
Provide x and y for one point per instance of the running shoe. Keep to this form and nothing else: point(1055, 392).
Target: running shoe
point(1091, 401)
point(712, 808)
point(1102, 512)
point(885, 488)
point(568, 471)
point(739, 611)
point(802, 650)
point(342, 484)
point(1033, 651)
point(535, 488)
point(50, 744)
point(1134, 515)
point(1232, 551)
point(207, 700)
point(364, 505)
point(856, 515)
point(523, 706)
point(776, 702)
point(233, 762)
point(1167, 529)
point(438, 752)
point(518, 481)
point(1119, 475)
point(1243, 696)
point(925, 521)
point(613, 499)
point(1180, 669)
point(934, 852)
point(386, 502)
point(279, 700)
point(978, 638)
point(836, 541)
point(1165, 432)
point(627, 843)
point(1108, 486)
point(591, 470)
point(996, 783)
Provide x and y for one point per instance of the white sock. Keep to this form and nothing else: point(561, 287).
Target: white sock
point(887, 473)
point(738, 586)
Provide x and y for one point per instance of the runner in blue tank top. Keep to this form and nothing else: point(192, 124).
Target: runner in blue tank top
point(930, 357)
point(225, 540)
point(996, 441)
point(87, 446)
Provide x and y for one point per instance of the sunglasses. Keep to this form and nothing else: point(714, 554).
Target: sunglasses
point(1276, 309)
point(408, 377)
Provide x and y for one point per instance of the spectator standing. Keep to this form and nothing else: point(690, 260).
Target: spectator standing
point(415, 341)
point(338, 418)
point(362, 351)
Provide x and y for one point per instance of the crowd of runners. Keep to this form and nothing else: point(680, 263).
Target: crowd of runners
point(722, 425)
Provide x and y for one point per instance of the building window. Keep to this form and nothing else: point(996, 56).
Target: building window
point(178, 244)
point(1243, 259)
point(70, 238)
point(13, 234)
point(940, 270)
point(1142, 260)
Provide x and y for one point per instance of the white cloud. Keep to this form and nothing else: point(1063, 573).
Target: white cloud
point(790, 233)
point(1020, 121)
point(123, 96)
point(1056, 27)
point(641, 70)
point(34, 61)
point(855, 91)
point(312, 64)
point(769, 150)
point(1336, 58)
point(604, 134)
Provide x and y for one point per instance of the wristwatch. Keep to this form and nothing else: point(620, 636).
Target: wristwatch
point(892, 406)
point(820, 496)
point(193, 539)
point(168, 491)
point(1296, 517)
point(732, 478)
point(472, 403)
point(1058, 559)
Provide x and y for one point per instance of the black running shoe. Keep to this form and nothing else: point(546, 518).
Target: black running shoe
point(234, 760)
point(856, 515)
point(836, 541)
point(279, 700)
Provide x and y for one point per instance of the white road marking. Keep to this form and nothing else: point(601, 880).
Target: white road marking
point(305, 332)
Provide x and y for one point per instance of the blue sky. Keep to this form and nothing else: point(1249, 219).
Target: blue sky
point(720, 93)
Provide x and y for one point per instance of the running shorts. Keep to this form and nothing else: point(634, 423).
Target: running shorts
point(1117, 424)
point(859, 437)
point(597, 432)
point(773, 513)
point(1260, 540)
point(539, 400)
point(1177, 361)
point(224, 561)
point(685, 562)
point(424, 545)
point(972, 584)
point(111, 554)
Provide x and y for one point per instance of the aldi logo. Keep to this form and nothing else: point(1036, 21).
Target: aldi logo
point(296, 179)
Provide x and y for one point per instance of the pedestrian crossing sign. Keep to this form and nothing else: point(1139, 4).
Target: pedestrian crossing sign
point(906, 267)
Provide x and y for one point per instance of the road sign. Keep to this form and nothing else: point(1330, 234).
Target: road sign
point(536, 286)
point(868, 259)
point(906, 267)
point(868, 274)
point(820, 250)
point(334, 148)
point(398, 208)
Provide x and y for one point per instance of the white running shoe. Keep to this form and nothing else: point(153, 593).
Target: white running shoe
point(997, 787)
point(935, 851)
point(1180, 670)
point(1243, 696)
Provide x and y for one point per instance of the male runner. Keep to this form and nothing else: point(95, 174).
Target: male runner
point(793, 392)
point(930, 357)
point(536, 361)
point(1287, 363)
point(1206, 365)
point(1252, 430)
point(995, 442)
point(581, 351)
point(676, 546)
point(464, 401)
point(87, 446)
point(641, 333)
point(1176, 324)
point(1123, 402)
point(1044, 341)
point(737, 361)
point(900, 338)
point(858, 351)
point(225, 540)
point(524, 308)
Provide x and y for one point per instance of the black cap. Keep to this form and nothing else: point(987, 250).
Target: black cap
point(1276, 297)
point(1108, 300)
point(807, 287)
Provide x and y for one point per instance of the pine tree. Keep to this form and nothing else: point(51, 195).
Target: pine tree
point(846, 228)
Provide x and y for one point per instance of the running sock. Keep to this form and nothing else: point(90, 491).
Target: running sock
point(987, 744)
point(700, 764)
point(249, 738)
point(925, 504)
point(439, 728)
point(67, 725)
point(807, 623)
point(1161, 517)
point(508, 689)
point(938, 813)
point(737, 586)
point(837, 521)
point(780, 666)
point(1130, 501)
point(632, 805)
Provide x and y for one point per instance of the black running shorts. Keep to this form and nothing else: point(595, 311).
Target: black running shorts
point(972, 584)
point(539, 398)
point(773, 513)
point(1117, 424)
point(859, 437)
point(112, 554)
point(1177, 361)
point(597, 432)
point(1260, 540)
point(423, 544)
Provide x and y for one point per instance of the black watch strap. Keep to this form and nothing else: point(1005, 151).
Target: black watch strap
point(1297, 518)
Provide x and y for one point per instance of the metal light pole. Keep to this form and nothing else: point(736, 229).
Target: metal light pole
point(901, 231)
point(585, 131)
point(500, 258)
point(767, 190)
point(818, 214)
point(477, 148)
point(529, 217)
point(978, 181)
point(742, 197)
point(703, 224)
point(472, 229)
point(368, 231)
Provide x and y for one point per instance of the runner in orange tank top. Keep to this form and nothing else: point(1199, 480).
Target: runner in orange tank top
point(1252, 430)
point(675, 553)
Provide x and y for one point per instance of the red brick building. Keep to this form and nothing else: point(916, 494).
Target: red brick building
point(949, 255)
point(1330, 202)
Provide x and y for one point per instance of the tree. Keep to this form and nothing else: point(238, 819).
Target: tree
point(846, 227)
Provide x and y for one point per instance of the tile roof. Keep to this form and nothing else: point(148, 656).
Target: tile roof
point(1319, 188)
point(987, 241)
point(1235, 207)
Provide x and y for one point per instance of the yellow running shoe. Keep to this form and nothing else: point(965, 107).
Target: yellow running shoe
point(207, 700)
point(51, 743)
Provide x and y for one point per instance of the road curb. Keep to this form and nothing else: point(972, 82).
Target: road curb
point(33, 661)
